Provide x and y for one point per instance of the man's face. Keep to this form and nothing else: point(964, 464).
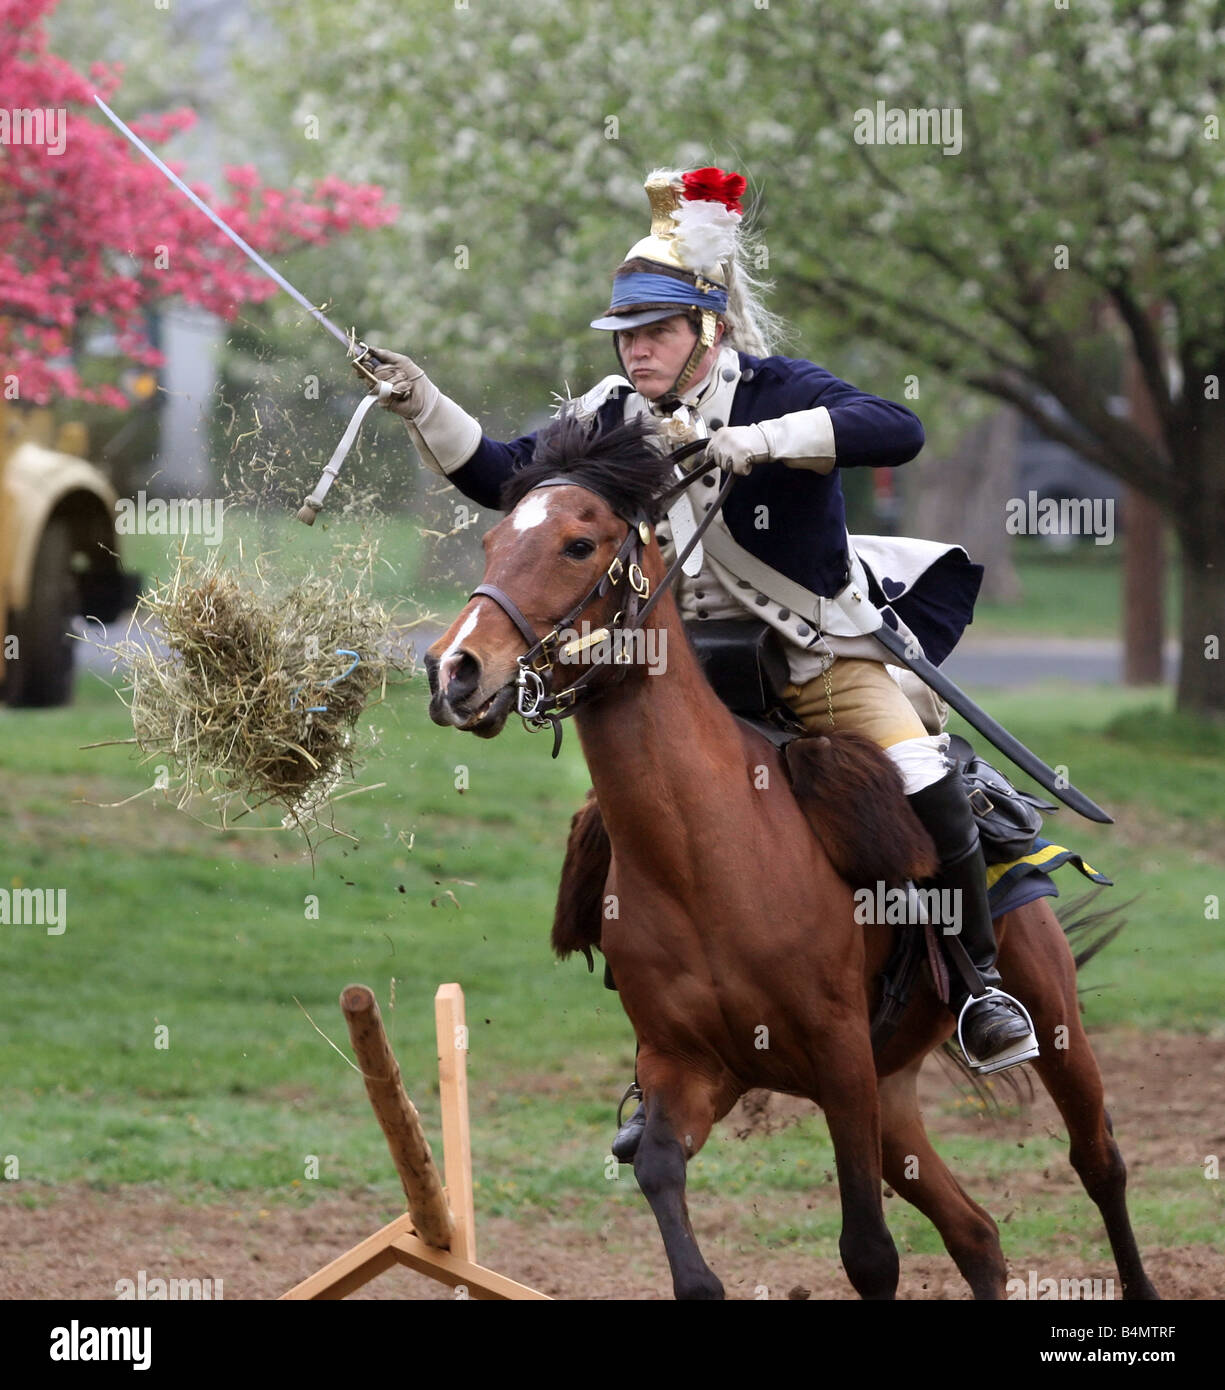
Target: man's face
point(655, 354)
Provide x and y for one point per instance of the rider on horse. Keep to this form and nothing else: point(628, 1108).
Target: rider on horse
point(694, 345)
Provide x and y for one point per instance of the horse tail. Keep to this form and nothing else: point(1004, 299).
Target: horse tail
point(580, 894)
point(1091, 932)
point(852, 794)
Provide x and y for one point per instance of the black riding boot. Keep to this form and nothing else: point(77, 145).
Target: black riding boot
point(994, 1032)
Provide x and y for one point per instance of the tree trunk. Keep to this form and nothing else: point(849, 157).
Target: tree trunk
point(1144, 550)
point(1195, 504)
point(1201, 677)
point(1144, 556)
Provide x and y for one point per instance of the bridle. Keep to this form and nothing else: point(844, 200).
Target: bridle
point(540, 708)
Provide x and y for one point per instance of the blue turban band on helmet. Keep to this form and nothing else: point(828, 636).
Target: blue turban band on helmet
point(640, 287)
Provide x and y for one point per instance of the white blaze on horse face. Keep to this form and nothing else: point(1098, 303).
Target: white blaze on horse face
point(530, 512)
point(446, 660)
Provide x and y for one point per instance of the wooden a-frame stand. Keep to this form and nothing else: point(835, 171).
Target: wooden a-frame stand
point(437, 1235)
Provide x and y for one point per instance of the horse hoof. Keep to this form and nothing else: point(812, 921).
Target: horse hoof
point(625, 1145)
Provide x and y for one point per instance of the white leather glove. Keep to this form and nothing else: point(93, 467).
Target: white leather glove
point(444, 434)
point(738, 447)
point(803, 439)
point(404, 377)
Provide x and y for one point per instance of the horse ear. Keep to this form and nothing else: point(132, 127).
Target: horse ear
point(853, 797)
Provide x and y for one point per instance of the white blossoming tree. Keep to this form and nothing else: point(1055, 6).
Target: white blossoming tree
point(1073, 214)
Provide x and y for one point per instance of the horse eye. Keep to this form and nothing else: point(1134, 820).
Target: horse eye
point(579, 550)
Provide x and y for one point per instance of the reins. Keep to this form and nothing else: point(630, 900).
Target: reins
point(540, 708)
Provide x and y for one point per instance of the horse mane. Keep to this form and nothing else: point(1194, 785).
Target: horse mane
point(621, 464)
point(853, 796)
point(578, 917)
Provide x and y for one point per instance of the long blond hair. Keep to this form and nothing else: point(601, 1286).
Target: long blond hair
point(751, 326)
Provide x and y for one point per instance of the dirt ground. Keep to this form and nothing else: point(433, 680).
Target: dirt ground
point(1164, 1091)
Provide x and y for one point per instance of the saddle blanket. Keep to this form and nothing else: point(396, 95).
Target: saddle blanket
point(1020, 881)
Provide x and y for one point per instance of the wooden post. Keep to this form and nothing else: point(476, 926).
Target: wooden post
point(397, 1243)
point(397, 1115)
point(452, 1028)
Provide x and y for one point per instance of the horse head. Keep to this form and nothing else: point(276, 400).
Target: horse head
point(556, 561)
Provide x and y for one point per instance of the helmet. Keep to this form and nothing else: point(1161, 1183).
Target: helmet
point(684, 265)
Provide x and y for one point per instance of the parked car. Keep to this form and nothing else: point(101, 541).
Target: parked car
point(1052, 469)
point(58, 555)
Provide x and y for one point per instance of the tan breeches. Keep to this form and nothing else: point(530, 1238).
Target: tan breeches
point(865, 698)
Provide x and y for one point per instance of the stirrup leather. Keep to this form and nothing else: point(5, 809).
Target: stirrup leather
point(1025, 1050)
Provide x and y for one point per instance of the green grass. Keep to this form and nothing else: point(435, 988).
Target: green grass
point(1072, 593)
point(1160, 775)
point(299, 550)
point(207, 934)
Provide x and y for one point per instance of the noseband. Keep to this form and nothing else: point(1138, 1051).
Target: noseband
point(538, 708)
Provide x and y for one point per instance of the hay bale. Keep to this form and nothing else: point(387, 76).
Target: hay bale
point(258, 698)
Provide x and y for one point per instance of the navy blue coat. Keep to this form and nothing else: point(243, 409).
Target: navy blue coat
point(805, 538)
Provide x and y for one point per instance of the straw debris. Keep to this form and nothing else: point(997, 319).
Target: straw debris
point(257, 698)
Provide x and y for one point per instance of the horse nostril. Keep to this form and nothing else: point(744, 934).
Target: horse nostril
point(431, 672)
point(458, 676)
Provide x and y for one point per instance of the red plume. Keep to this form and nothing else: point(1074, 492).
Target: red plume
point(715, 186)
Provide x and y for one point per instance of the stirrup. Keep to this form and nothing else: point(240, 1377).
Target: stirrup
point(1025, 1050)
point(632, 1092)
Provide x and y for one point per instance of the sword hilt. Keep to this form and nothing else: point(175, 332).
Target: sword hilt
point(362, 355)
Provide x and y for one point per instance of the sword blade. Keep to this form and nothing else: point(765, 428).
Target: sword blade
point(243, 246)
point(1007, 743)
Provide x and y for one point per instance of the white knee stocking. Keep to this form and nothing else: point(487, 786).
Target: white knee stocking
point(921, 761)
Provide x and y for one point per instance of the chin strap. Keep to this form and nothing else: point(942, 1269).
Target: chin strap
point(706, 340)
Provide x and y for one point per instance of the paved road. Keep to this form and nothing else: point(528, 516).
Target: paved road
point(1000, 663)
point(1012, 663)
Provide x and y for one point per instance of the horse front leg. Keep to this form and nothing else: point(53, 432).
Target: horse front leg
point(680, 1110)
point(852, 1110)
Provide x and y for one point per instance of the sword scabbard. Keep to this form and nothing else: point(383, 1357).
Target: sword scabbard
point(1008, 744)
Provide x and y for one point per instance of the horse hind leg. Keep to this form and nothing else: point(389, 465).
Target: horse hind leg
point(1072, 1077)
point(916, 1172)
point(680, 1113)
point(1036, 965)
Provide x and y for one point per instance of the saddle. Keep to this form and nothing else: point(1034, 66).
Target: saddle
point(746, 664)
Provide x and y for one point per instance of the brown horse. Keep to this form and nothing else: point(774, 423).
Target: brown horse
point(725, 870)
